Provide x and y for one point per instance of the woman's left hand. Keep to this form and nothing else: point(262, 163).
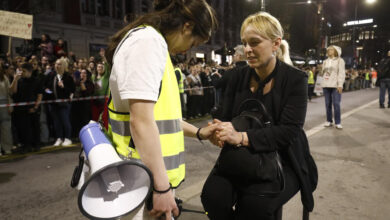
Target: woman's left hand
point(227, 133)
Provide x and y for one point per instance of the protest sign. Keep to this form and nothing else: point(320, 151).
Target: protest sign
point(16, 24)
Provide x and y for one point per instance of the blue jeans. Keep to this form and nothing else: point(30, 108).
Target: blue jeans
point(384, 84)
point(61, 120)
point(332, 97)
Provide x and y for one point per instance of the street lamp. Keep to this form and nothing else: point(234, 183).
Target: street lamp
point(262, 4)
point(370, 1)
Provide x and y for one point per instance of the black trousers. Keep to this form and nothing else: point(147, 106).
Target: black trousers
point(28, 129)
point(219, 196)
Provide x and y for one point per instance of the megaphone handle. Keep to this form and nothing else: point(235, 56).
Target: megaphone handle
point(77, 171)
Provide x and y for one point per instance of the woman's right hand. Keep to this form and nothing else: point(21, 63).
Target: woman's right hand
point(213, 137)
point(164, 204)
point(61, 84)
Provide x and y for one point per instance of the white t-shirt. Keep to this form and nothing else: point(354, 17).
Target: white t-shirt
point(138, 67)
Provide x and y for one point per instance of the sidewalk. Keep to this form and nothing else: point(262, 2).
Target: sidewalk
point(353, 166)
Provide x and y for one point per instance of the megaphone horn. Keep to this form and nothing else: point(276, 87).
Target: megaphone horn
point(116, 187)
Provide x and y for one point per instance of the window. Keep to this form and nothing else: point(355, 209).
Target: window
point(367, 35)
point(44, 5)
point(88, 6)
point(103, 7)
point(372, 34)
point(361, 35)
point(349, 36)
point(145, 6)
point(117, 11)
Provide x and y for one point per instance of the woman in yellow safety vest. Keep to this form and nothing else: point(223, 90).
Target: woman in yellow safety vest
point(310, 81)
point(145, 120)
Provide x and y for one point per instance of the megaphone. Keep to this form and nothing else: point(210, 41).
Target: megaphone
point(115, 187)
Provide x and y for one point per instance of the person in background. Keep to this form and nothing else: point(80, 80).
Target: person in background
point(310, 82)
point(100, 81)
point(366, 79)
point(196, 92)
point(384, 80)
point(44, 62)
point(80, 113)
point(81, 64)
point(333, 73)
point(374, 77)
point(46, 47)
point(5, 113)
point(25, 88)
point(180, 81)
point(91, 68)
point(221, 83)
point(59, 48)
point(151, 117)
point(60, 85)
point(208, 92)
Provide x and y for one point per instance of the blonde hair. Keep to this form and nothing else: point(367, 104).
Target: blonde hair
point(64, 64)
point(269, 27)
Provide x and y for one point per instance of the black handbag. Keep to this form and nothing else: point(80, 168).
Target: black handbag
point(243, 163)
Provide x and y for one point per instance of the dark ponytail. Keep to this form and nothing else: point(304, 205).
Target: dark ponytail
point(169, 16)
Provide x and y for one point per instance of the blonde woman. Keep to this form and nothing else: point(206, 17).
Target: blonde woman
point(60, 85)
point(270, 78)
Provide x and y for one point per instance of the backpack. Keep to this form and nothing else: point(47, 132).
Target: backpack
point(244, 164)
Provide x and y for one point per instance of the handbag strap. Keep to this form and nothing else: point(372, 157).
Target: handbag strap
point(262, 109)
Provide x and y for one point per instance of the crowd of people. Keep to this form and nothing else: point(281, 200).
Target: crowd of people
point(50, 72)
point(46, 73)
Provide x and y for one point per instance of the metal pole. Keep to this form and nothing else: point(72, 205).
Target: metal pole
point(262, 5)
point(354, 52)
point(10, 45)
point(319, 12)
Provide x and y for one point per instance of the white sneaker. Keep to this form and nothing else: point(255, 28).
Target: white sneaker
point(66, 142)
point(339, 126)
point(58, 142)
point(328, 124)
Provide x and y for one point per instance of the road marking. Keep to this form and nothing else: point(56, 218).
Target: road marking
point(320, 127)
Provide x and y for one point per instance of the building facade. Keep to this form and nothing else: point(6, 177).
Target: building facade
point(363, 45)
point(86, 25)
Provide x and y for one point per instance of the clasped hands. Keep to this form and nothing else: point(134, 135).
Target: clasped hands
point(219, 133)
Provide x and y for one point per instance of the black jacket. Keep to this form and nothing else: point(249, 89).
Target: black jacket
point(222, 82)
point(289, 105)
point(62, 93)
point(384, 69)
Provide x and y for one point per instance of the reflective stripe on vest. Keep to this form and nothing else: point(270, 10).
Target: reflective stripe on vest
point(181, 84)
point(167, 113)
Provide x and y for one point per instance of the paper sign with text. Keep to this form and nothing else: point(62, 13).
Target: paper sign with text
point(16, 24)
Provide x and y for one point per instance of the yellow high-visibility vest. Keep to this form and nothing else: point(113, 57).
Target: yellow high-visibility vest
point(367, 76)
point(181, 84)
point(167, 113)
point(310, 79)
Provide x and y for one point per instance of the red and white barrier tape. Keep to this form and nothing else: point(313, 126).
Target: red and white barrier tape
point(73, 99)
point(53, 101)
point(207, 87)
